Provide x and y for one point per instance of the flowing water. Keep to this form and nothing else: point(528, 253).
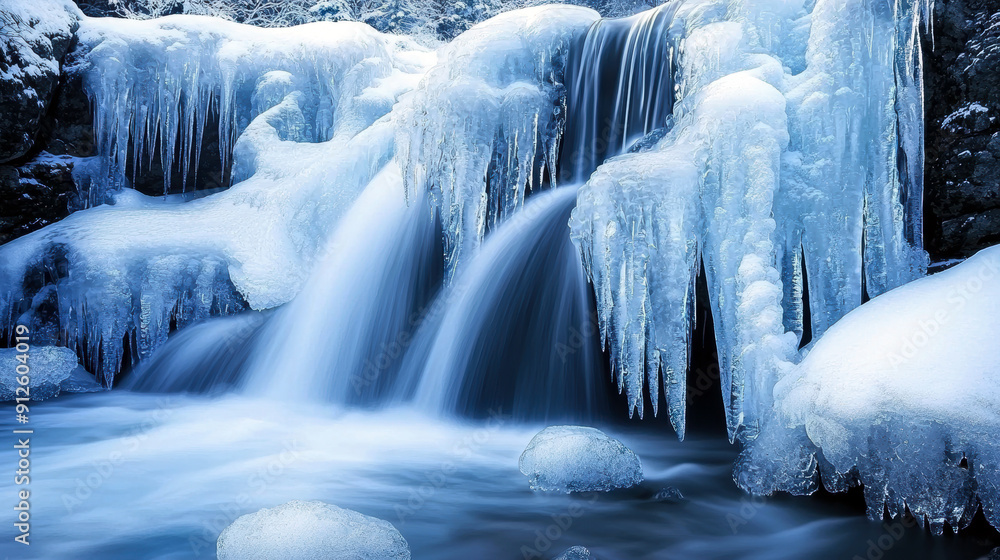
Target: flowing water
point(160, 473)
point(128, 475)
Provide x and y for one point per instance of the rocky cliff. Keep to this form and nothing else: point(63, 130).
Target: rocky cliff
point(962, 88)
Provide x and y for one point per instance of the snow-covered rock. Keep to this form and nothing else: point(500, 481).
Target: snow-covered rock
point(51, 370)
point(313, 530)
point(34, 37)
point(903, 389)
point(578, 459)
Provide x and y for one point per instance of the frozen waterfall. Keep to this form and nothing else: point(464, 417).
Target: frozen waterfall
point(779, 153)
point(419, 225)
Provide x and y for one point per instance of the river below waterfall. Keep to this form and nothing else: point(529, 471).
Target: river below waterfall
point(128, 475)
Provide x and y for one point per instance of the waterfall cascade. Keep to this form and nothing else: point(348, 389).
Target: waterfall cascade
point(370, 171)
point(342, 338)
point(516, 332)
point(619, 87)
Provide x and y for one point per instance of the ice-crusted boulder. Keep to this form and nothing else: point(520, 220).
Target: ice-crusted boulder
point(52, 370)
point(34, 37)
point(300, 530)
point(575, 553)
point(579, 459)
point(902, 395)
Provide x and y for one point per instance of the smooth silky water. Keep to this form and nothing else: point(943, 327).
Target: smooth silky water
point(129, 475)
point(159, 469)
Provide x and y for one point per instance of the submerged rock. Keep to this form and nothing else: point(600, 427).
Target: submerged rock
point(668, 494)
point(300, 530)
point(578, 459)
point(576, 553)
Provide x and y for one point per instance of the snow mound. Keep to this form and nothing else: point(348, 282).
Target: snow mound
point(301, 530)
point(578, 459)
point(52, 370)
point(902, 395)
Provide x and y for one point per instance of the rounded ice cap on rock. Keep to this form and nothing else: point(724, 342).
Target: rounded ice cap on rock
point(578, 459)
point(311, 530)
point(575, 553)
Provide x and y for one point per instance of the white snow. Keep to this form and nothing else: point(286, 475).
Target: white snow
point(578, 459)
point(51, 370)
point(311, 531)
point(902, 389)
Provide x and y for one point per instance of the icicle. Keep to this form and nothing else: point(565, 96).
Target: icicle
point(153, 84)
point(486, 120)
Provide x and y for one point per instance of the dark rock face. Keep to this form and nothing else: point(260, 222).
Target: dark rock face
point(962, 170)
point(35, 194)
point(69, 127)
point(30, 54)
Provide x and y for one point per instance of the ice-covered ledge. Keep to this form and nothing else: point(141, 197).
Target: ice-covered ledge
point(901, 395)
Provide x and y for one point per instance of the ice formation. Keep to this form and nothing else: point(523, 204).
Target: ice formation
point(311, 531)
point(794, 139)
point(578, 459)
point(51, 370)
point(122, 275)
point(776, 144)
point(484, 127)
point(902, 395)
point(154, 83)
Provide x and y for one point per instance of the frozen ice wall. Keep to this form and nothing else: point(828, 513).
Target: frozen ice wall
point(785, 148)
point(310, 107)
point(308, 117)
point(154, 83)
